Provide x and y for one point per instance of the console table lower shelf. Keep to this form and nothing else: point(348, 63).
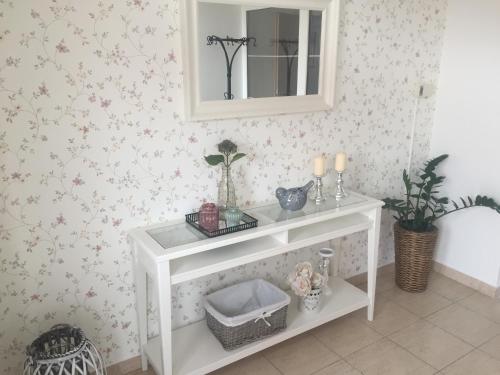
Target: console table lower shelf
point(197, 352)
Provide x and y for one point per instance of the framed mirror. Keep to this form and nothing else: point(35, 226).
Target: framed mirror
point(258, 57)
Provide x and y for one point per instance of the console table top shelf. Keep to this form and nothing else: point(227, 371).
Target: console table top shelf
point(177, 239)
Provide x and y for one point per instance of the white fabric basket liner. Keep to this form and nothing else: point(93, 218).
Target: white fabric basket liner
point(249, 300)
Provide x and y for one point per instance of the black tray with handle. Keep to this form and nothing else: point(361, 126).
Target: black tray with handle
point(246, 222)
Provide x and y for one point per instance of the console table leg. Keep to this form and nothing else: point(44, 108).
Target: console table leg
point(373, 243)
point(164, 291)
point(141, 306)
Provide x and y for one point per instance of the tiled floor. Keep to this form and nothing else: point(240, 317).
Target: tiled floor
point(450, 329)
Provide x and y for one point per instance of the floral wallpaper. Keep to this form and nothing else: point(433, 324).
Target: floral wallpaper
point(92, 144)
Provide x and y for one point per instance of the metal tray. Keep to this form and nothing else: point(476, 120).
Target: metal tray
point(247, 222)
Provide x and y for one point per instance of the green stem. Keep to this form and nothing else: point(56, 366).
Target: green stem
point(455, 210)
point(409, 205)
point(227, 186)
point(420, 194)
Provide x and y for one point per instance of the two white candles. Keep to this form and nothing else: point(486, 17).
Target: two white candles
point(319, 164)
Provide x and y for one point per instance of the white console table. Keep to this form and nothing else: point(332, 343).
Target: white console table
point(173, 252)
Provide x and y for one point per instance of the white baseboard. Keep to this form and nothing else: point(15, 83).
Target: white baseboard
point(471, 282)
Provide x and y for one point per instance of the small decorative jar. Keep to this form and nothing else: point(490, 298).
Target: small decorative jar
point(233, 216)
point(312, 301)
point(208, 218)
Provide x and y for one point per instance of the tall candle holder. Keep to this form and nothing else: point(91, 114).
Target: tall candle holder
point(318, 196)
point(324, 267)
point(340, 192)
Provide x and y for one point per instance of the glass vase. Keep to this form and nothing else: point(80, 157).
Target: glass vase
point(233, 216)
point(227, 195)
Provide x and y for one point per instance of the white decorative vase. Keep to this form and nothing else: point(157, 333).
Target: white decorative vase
point(311, 302)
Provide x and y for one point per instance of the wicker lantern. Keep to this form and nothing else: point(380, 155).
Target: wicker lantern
point(64, 350)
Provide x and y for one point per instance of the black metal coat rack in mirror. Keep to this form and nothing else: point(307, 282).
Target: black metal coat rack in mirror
point(214, 40)
point(287, 46)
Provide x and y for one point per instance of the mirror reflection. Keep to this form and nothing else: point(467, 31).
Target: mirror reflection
point(257, 52)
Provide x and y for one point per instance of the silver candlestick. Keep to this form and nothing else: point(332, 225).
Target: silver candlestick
point(324, 267)
point(340, 193)
point(318, 196)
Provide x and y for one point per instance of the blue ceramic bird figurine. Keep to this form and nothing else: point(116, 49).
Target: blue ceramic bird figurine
point(293, 199)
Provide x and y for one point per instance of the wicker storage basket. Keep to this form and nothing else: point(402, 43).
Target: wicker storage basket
point(246, 312)
point(414, 252)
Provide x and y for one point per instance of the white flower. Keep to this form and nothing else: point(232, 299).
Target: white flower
point(317, 280)
point(303, 279)
point(301, 286)
point(304, 269)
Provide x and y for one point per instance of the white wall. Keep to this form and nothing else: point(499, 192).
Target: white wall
point(467, 126)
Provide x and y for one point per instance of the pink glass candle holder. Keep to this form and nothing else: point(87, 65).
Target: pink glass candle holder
point(208, 218)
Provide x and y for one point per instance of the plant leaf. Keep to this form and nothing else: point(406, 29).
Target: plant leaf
point(414, 210)
point(214, 159)
point(433, 163)
point(406, 180)
point(237, 157)
point(442, 200)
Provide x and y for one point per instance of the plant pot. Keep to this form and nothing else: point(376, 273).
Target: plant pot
point(414, 252)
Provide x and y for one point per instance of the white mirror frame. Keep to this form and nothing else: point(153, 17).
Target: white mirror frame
point(197, 110)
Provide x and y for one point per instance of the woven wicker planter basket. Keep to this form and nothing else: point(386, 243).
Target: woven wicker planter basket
point(414, 252)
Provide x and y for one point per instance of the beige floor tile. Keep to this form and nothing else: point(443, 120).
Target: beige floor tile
point(140, 372)
point(492, 347)
point(256, 364)
point(474, 363)
point(386, 273)
point(466, 324)
point(448, 288)
point(384, 284)
point(388, 270)
point(358, 279)
point(302, 355)
point(346, 335)
point(386, 358)
point(484, 305)
point(113, 370)
point(339, 368)
point(421, 304)
point(431, 344)
point(389, 317)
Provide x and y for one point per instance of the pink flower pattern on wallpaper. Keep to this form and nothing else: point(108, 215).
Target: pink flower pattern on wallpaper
point(92, 144)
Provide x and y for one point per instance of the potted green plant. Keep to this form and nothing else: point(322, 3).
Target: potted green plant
point(228, 155)
point(415, 234)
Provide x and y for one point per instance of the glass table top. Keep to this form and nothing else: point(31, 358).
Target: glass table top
point(170, 236)
point(273, 213)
